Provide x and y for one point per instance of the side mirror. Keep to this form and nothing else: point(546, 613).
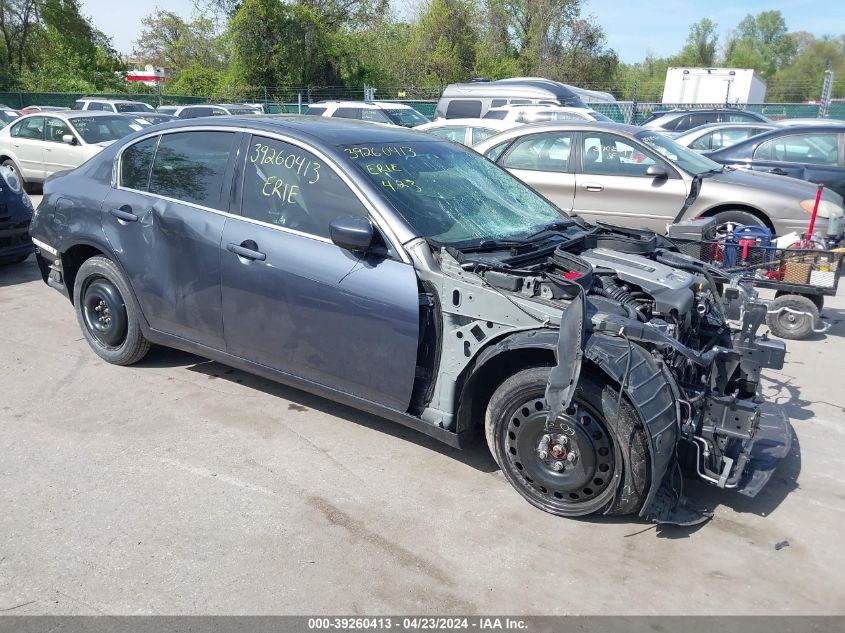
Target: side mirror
point(70, 139)
point(656, 171)
point(353, 234)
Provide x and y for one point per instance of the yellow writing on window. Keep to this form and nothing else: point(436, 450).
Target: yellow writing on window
point(284, 191)
point(292, 161)
point(385, 151)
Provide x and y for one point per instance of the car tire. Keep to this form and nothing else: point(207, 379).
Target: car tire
point(818, 300)
point(783, 320)
point(11, 165)
point(737, 217)
point(598, 433)
point(107, 314)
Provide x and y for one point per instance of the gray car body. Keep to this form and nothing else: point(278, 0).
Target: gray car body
point(653, 203)
point(316, 316)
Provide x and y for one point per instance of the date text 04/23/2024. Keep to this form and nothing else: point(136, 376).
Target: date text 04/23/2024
point(426, 623)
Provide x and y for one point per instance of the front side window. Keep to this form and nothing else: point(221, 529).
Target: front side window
point(315, 110)
point(189, 166)
point(702, 143)
point(372, 114)
point(463, 109)
point(453, 133)
point(31, 128)
point(135, 164)
point(815, 149)
point(55, 129)
point(78, 105)
point(287, 186)
point(499, 115)
point(102, 129)
point(406, 117)
point(482, 134)
point(540, 152)
point(133, 107)
point(449, 194)
point(730, 136)
point(348, 113)
point(610, 155)
point(739, 117)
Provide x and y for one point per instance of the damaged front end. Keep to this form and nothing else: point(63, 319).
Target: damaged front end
point(655, 322)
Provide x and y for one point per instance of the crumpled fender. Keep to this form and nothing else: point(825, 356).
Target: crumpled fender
point(650, 392)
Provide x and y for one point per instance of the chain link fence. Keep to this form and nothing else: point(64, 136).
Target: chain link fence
point(424, 100)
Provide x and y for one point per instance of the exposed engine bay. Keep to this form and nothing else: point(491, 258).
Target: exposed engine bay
point(641, 298)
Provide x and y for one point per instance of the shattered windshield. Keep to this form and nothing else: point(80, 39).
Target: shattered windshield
point(450, 194)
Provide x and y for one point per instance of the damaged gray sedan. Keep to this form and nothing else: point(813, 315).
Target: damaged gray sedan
point(411, 278)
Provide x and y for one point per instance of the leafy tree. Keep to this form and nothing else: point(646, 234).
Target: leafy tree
point(442, 43)
point(700, 47)
point(760, 42)
point(167, 40)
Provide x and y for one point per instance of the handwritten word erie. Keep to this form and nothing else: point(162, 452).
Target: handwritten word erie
point(282, 190)
point(266, 155)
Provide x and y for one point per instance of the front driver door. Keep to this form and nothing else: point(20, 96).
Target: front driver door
point(545, 162)
point(58, 155)
point(816, 157)
point(295, 302)
point(613, 185)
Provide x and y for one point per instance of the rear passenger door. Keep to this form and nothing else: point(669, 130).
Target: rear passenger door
point(294, 301)
point(28, 145)
point(165, 221)
point(545, 162)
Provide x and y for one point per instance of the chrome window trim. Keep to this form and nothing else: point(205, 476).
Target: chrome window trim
point(376, 216)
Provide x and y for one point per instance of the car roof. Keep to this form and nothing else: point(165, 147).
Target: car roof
point(327, 132)
point(103, 100)
point(706, 127)
point(76, 114)
point(387, 105)
point(497, 124)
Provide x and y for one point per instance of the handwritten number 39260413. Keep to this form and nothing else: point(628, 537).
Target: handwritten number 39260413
point(266, 155)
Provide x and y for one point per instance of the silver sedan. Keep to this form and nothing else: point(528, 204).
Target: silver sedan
point(639, 178)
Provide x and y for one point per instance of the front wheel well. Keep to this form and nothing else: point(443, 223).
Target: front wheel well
point(72, 259)
point(478, 388)
point(760, 215)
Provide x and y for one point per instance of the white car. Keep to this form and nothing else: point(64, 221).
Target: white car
point(39, 145)
point(467, 131)
point(537, 113)
point(387, 112)
point(212, 109)
point(93, 104)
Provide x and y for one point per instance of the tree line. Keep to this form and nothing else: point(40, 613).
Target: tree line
point(233, 46)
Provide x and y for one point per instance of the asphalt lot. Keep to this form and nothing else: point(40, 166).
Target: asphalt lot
point(181, 486)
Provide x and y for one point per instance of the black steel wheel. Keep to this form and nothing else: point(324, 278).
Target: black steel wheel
point(107, 313)
point(104, 312)
point(792, 317)
point(592, 459)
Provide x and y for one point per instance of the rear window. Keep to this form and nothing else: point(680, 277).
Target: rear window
point(463, 109)
point(135, 164)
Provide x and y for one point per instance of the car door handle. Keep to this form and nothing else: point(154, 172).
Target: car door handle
point(592, 186)
point(123, 214)
point(247, 250)
point(778, 171)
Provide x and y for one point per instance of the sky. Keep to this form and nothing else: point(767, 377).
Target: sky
point(632, 29)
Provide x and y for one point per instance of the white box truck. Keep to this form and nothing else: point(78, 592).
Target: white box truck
point(713, 86)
